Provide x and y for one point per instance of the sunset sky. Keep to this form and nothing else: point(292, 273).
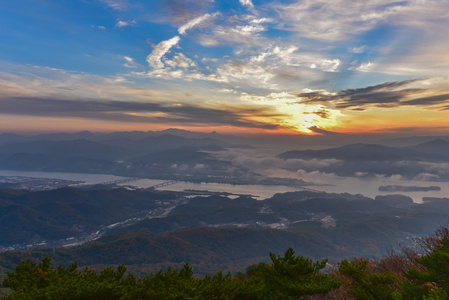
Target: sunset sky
point(234, 66)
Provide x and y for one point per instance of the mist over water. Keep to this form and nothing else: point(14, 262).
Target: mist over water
point(366, 187)
point(325, 182)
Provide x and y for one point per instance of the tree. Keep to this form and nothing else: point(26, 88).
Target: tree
point(434, 280)
point(367, 285)
point(293, 277)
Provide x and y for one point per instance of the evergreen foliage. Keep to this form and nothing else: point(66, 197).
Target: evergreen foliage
point(397, 276)
point(288, 277)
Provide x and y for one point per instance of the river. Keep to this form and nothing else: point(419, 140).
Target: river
point(336, 184)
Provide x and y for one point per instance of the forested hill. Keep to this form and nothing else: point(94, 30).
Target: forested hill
point(213, 233)
point(406, 275)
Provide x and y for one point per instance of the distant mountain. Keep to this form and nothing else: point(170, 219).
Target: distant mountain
point(409, 141)
point(124, 157)
point(68, 148)
point(65, 136)
point(363, 152)
point(369, 160)
point(170, 141)
point(10, 138)
point(232, 141)
point(438, 147)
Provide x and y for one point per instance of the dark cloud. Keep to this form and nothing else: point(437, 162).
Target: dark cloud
point(122, 111)
point(389, 94)
point(322, 131)
point(432, 100)
point(323, 113)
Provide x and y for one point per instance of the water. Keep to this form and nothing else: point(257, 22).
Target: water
point(366, 187)
point(87, 178)
point(369, 187)
point(260, 191)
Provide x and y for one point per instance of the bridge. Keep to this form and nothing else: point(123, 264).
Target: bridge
point(163, 184)
point(119, 181)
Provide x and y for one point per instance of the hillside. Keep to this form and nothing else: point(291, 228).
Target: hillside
point(33, 217)
point(217, 233)
point(412, 273)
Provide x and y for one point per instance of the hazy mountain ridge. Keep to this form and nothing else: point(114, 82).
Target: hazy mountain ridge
point(418, 162)
point(160, 155)
point(438, 147)
point(141, 154)
point(367, 152)
point(217, 231)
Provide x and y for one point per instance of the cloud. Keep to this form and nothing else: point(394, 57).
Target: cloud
point(121, 24)
point(248, 3)
point(330, 65)
point(389, 94)
point(130, 63)
point(358, 50)
point(137, 112)
point(340, 19)
point(265, 164)
point(427, 101)
point(154, 58)
point(179, 60)
point(262, 20)
point(247, 30)
point(322, 113)
point(272, 67)
point(196, 22)
point(365, 67)
point(116, 4)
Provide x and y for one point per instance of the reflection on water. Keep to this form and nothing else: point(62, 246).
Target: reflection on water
point(366, 187)
point(260, 191)
point(369, 187)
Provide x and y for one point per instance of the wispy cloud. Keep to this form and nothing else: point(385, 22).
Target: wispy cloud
point(273, 67)
point(337, 20)
point(196, 22)
point(365, 67)
point(179, 60)
point(262, 20)
point(248, 29)
point(130, 63)
point(154, 58)
point(116, 4)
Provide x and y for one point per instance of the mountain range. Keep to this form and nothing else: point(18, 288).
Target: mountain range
point(211, 233)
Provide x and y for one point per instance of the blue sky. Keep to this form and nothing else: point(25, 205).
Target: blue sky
point(232, 66)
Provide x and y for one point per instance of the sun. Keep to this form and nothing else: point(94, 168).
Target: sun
point(302, 117)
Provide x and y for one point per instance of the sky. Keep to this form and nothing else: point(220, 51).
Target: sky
point(235, 66)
